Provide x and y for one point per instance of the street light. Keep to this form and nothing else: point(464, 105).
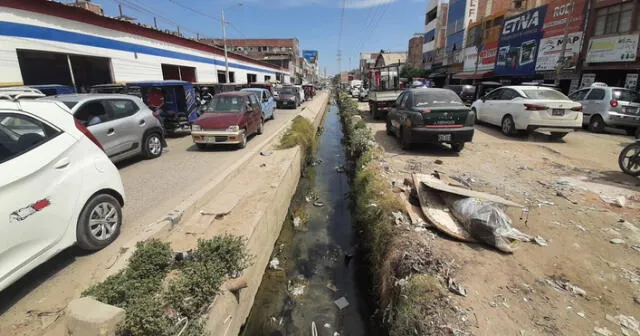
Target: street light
point(224, 38)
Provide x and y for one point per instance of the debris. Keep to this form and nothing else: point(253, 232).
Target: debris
point(398, 218)
point(327, 325)
point(636, 248)
point(342, 303)
point(274, 264)
point(332, 287)
point(542, 203)
point(372, 205)
point(263, 165)
point(560, 285)
point(628, 325)
point(318, 204)
point(581, 314)
point(182, 256)
point(540, 241)
point(266, 153)
point(314, 330)
point(335, 333)
point(617, 241)
point(560, 194)
point(602, 331)
point(581, 228)
point(298, 290)
point(620, 201)
point(340, 169)
point(296, 222)
point(401, 282)
point(434, 183)
point(438, 162)
point(455, 287)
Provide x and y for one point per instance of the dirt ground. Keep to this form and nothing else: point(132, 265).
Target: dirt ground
point(508, 293)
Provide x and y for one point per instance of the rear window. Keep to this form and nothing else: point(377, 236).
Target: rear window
point(70, 105)
point(436, 98)
point(627, 95)
point(545, 94)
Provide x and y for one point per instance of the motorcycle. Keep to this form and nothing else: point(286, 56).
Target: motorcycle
point(629, 159)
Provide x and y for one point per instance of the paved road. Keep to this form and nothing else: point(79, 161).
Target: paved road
point(153, 188)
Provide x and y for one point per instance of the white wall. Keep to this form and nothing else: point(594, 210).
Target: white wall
point(126, 66)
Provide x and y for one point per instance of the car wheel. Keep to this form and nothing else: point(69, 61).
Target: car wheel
point(403, 139)
point(152, 146)
point(596, 124)
point(201, 145)
point(508, 126)
point(99, 222)
point(243, 142)
point(273, 115)
point(557, 135)
point(261, 126)
point(457, 147)
point(630, 131)
point(389, 128)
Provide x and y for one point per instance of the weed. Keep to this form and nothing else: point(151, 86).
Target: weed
point(301, 133)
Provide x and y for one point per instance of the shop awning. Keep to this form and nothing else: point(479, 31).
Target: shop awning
point(473, 75)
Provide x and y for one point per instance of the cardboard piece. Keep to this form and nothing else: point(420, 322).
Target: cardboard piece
point(437, 184)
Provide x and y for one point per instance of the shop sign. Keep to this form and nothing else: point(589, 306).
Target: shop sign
point(564, 16)
point(518, 48)
point(631, 81)
point(551, 51)
point(587, 79)
point(470, 59)
point(621, 48)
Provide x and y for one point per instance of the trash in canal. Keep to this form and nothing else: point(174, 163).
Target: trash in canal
point(342, 303)
point(332, 287)
point(318, 204)
point(340, 169)
point(314, 330)
point(274, 264)
point(296, 222)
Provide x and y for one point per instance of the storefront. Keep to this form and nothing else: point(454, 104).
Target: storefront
point(613, 60)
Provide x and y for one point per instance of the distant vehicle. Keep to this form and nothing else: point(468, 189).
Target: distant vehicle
point(230, 118)
point(355, 92)
point(529, 108)
point(426, 115)
point(267, 86)
point(466, 92)
point(267, 101)
point(609, 106)
point(364, 95)
point(483, 88)
point(123, 124)
point(288, 97)
point(355, 82)
point(53, 89)
point(309, 91)
point(384, 90)
point(57, 187)
point(300, 93)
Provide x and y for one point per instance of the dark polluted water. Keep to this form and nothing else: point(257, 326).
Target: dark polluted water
point(315, 264)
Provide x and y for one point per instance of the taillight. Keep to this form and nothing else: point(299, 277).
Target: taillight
point(156, 115)
point(534, 107)
point(577, 108)
point(613, 103)
point(87, 133)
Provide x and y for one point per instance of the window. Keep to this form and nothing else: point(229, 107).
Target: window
point(221, 77)
point(19, 134)
point(121, 108)
point(252, 78)
point(253, 100)
point(403, 103)
point(627, 96)
point(92, 113)
point(232, 77)
point(399, 100)
point(267, 78)
point(495, 94)
point(596, 94)
point(545, 94)
point(224, 104)
point(509, 94)
point(578, 95)
point(436, 98)
point(614, 19)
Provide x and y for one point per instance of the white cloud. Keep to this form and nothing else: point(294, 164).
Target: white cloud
point(366, 3)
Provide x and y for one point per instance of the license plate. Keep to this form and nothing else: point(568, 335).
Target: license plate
point(631, 110)
point(444, 137)
point(557, 112)
point(211, 139)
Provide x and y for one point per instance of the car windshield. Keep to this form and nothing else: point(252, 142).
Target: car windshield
point(224, 104)
point(436, 98)
point(287, 91)
point(544, 94)
point(627, 95)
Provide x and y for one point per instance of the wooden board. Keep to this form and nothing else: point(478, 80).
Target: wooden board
point(434, 183)
point(415, 213)
point(434, 208)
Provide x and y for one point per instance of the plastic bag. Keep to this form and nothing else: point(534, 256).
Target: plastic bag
point(486, 222)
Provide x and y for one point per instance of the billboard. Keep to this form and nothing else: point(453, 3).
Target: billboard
point(310, 55)
point(564, 16)
point(519, 43)
point(621, 48)
point(486, 59)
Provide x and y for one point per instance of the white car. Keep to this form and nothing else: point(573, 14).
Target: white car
point(355, 92)
point(57, 186)
point(528, 109)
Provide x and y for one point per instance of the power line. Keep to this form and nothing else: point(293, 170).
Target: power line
point(339, 54)
point(140, 9)
point(199, 12)
point(377, 22)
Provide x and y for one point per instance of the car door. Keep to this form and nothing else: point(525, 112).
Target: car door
point(271, 103)
point(256, 112)
point(127, 124)
point(38, 188)
point(508, 104)
point(487, 110)
point(394, 112)
point(97, 119)
point(594, 102)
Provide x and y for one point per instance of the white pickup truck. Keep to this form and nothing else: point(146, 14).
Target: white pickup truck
point(385, 89)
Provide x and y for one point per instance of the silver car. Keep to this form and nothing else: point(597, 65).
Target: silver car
point(123, 124)
point(609, 106)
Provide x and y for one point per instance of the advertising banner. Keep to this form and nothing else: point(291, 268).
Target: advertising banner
point(587, 79)
point(470, 59)
point(622, 48)
point(310, 55)
point(519, 39)
point(631, 81)
point(565, 16)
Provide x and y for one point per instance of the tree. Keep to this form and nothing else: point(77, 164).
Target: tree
point(411, 72)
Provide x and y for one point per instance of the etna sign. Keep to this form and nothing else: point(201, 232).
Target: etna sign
point(520, 42)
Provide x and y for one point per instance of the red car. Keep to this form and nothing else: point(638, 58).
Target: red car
point(230, 118)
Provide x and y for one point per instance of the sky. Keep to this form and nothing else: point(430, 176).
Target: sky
point(368, 25)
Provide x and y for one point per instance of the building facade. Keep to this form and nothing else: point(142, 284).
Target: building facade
point(282, 53)
point(45, 42)
point(414, 57)
point(461, 14)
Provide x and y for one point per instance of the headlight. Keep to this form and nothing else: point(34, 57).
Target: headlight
point(195, 127)
point(292, 98)
point(234, 128)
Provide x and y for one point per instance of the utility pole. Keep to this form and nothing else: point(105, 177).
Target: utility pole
point(226, 58)
point(563, 52)
point(480, 43)
point(155, 22)
point(120, 10)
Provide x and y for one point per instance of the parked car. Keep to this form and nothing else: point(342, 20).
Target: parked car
point(300, 93)
point(123, 124)
point(53, 89)
point(267, 101)
point(267, 86)
point(529, 108)
point(230, 118)
point(609, 106)
point(466, 92)
point(355, 92)
point(57, 187)
point(288, 97)
point(364, 95)
point(426, 115)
